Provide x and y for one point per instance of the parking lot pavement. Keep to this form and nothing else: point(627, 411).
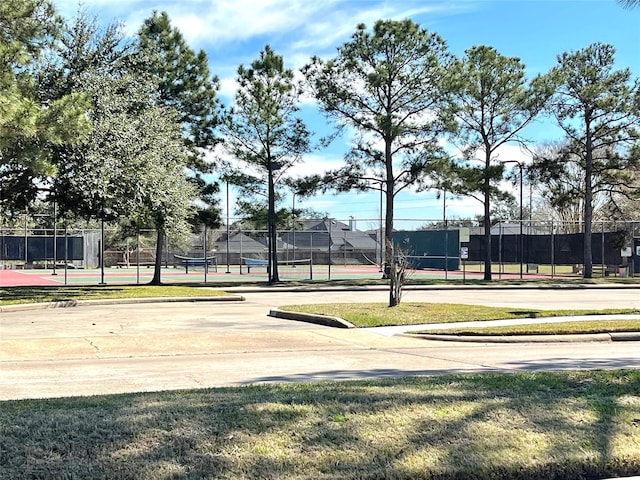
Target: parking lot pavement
point(143, 347)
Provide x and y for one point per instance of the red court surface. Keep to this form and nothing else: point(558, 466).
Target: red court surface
point(133, 275)
point(13, 278)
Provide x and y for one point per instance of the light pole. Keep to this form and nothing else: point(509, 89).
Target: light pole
point(521, 242)
point(444, 205)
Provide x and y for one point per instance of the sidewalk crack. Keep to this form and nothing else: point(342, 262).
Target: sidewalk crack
point(95, 347)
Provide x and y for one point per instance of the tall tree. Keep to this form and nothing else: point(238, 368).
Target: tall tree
point(492, 103)
point(599, 110)
point(133, 162)
point(186, 85)
point(30, 127)
point(84, 56)
point(387, 84)
point(265, 136)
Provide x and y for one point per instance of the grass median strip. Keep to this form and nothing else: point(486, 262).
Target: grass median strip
point(379, 314)
point(17, 295)
point(525, 425)
point(558, 328)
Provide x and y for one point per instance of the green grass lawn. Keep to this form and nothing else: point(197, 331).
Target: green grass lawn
point(15, 295)
point(560, 328)
point(488, 426)
point(379, 314)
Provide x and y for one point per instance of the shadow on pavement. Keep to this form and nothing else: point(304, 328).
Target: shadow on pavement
point(549, 364)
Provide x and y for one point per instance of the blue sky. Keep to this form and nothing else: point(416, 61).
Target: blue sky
point(233, 32)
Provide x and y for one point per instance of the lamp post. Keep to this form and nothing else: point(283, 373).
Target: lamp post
point(521, 241)
point(444, 205)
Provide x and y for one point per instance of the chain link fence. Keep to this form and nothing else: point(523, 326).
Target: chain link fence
point(528, 247)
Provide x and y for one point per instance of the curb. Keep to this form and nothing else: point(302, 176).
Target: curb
point(337, 322)
point(582, 338)
point(365, 288)
point(117, 301)
point(325, 320)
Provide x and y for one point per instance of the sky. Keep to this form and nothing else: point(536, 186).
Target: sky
point(233, 32)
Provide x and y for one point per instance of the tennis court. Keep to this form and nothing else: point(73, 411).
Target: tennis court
point(299, 272)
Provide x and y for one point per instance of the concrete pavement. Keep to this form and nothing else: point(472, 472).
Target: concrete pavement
point(143, 347)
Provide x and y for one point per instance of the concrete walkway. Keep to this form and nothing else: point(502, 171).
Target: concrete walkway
point(604, 337)
point(118, 348)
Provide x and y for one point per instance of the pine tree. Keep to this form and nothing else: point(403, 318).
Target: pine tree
point(388, 85)
point(264, 134)
point(492, 103)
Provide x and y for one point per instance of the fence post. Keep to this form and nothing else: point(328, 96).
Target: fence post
point(344, 246)
point(602, 262)
point(329, 251)
point(553, 251)
point(101, 252)
point(66, 254)
point(240, 259)
point(446, 248)
point(26, 249)
point(137, 255)
point(55, 239)
point(499, 250)
point(204, 252)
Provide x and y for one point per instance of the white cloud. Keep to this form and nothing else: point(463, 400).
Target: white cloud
point(302, 26)
point(228, 88)
point(512, 152)
point(316, 164)
point(224, 21)
point(336, 24)
point(505, 153)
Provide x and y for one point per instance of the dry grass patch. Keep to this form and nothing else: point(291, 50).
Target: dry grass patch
point(520, 426)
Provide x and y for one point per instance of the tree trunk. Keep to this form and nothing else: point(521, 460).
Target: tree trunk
point(389, 260)
point(588, 206)
point(394, 298)
point(273, 276)
point(156, 280)
point(487, 215)
point(388, 233)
